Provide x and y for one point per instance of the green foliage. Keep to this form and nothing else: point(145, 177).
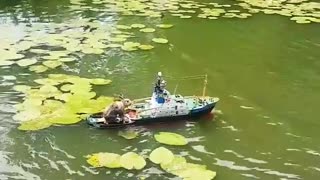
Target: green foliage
point(171, 138)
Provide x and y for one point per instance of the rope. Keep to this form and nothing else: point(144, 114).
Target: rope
point(186, 77)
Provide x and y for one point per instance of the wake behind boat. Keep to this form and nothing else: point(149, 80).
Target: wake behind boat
point(161, 106)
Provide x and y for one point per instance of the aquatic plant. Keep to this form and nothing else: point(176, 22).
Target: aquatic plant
point(129, 160)
point(109, 160)
point(58, 99)
point(171, 138)
point(129, 134)
point(174, 164)
point(161, 155)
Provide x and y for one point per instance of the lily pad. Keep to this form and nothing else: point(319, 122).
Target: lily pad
point(195, 173)
point(123, 27)
point(117, 39)
point(27, 115)
point(128, 48)
point(148, 30)
point(48, 89)
point(99, 81)
point(21, 88)
point(52, 64)
point(161, 155)
point(145, 47)
point(66, 118)
point(114, 45)
point(164, 26)
point(179, 167)
point(177, 163)
point(131, 44)
point(185, 17)
point(47, 81)
point(67, 59)
point(110, 160)
point(66, 87)
point(34, 125)
point(128, 134)
point(132, 160)
point(6, 63)
point(176, 14)
point(63, 97)
point(171, 138)
point(138, 25)
point(160, 40)
point(38, 68)
point(39, 51)
point(26, 62)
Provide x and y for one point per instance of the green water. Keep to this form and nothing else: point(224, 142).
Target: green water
point(264, 69)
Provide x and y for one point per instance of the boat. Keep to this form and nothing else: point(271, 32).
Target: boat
point(161, 106)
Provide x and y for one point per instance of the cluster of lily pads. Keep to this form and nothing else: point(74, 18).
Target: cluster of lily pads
point(58, 99)
point(169, 162)
point(302, 11)
point(47, 46)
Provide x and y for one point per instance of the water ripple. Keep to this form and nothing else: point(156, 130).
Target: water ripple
point(52, 164)
point(232, 128)
point(201, 148)
point(10, 171)
point(247, 107)
point(64, 164)
point(90, 170)
point(250, 176)
point(235, 153)
point(313, 152)
point(56, 148)
point(255, 161)
point(233, 166)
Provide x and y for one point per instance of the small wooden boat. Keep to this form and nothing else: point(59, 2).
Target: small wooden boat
point(161, 106)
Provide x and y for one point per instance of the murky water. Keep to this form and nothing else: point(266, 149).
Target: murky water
point(265, 70)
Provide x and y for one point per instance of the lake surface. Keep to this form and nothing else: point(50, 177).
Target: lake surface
point(265, 69)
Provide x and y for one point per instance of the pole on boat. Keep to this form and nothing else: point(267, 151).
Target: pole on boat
point(175, 89)
point(205, 85)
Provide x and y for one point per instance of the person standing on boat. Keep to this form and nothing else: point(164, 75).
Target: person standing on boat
point(160, 92)
point(157, 88)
